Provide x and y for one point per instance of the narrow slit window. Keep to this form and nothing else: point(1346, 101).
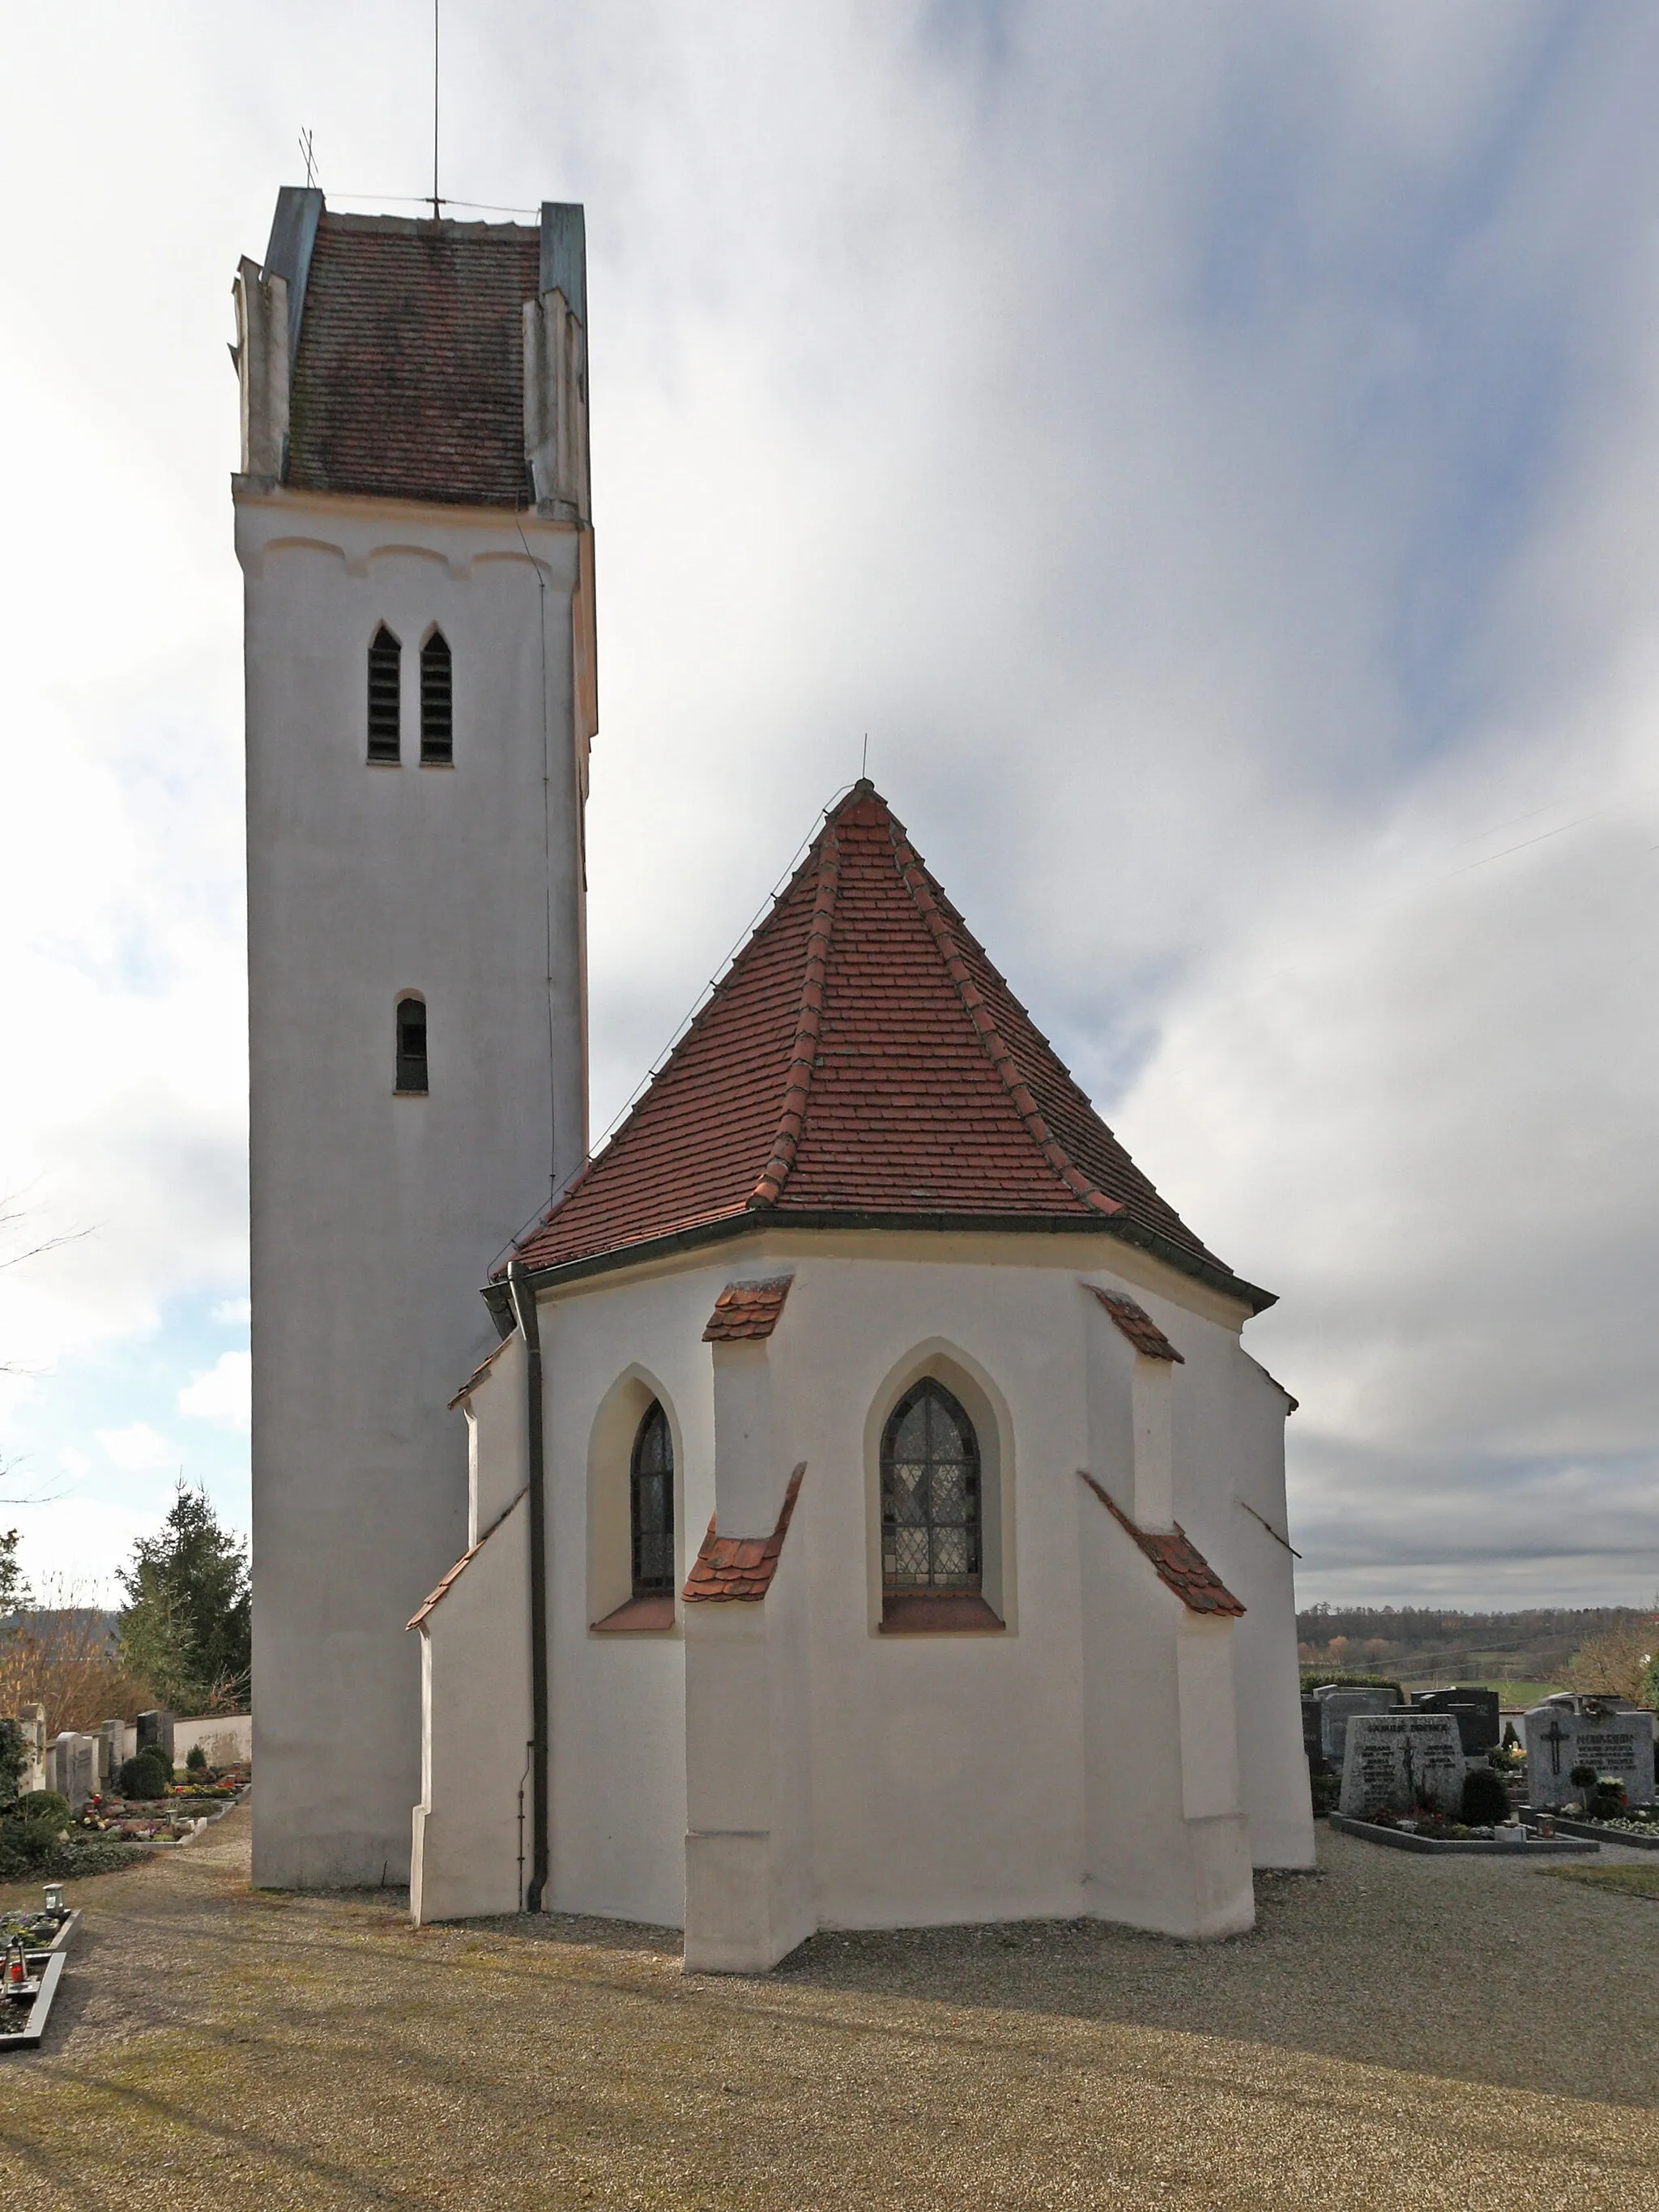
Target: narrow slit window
point(437, 702)
point(411, 1045)
point(385, 696)
point(651, 1505)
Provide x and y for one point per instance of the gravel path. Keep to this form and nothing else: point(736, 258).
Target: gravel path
point(1400, 2032)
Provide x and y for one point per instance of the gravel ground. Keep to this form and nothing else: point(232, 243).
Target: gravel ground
point(1399, 2032)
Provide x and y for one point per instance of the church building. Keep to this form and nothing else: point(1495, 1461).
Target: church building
point(867, 1514)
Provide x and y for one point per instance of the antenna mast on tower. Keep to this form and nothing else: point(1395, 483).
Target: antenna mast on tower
point(435, 111)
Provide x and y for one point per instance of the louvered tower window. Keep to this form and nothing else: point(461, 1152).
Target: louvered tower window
point(411, 1044)
point(385, 696)
point(437, 726)
point(930, 1494)
point(651, 1505)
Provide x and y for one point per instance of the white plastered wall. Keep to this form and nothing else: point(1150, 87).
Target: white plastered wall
point(374, 1216)
point(948, 1778)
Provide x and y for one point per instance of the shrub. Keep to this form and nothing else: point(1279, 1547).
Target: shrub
point(149, 1775)
point(1326, 1789)
point(40, 1805)
point(195, 1759)
point(1582, 1778)
point(1485, 1800)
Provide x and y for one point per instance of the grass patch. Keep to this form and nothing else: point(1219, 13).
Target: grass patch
point(1627, 1880)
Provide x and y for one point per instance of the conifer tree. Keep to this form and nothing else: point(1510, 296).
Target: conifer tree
point(186, 1625)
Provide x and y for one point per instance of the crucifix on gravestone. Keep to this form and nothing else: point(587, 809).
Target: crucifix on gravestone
point(1555, 1735)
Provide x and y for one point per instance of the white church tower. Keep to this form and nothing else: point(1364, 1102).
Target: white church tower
point(414, 528)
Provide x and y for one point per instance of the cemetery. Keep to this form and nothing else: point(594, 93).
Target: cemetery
point(1436, 1775)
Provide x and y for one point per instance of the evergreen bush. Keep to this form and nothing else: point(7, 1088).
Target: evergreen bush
point(195, 1759)
point(148, 1775)
point(1485, 1800)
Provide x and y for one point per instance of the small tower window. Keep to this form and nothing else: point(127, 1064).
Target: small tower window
point(651, 1505)
point(930, 1494)
point(411, 1044)
point(437, 727)
point(385, 696)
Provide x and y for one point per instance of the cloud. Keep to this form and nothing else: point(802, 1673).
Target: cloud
point(223, 1395)
point(233, 1313)
point(73, 1463)
point(137, 1448)
point(1210, 453)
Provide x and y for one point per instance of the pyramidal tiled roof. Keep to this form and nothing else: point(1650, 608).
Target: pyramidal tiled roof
point(862, 1060)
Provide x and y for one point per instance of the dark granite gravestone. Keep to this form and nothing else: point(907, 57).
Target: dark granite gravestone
point(156, 1728)
point(1311, 1743)
point(1476, 1712)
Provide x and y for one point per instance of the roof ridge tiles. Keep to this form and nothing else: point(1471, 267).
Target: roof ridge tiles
point(808, 1025)
point(914, 872)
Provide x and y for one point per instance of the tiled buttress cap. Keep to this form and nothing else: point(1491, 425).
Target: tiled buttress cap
point(1181, 1565)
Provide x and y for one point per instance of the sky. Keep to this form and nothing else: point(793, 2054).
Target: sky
point(1211, 453)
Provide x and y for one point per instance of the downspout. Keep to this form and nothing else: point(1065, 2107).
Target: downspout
point(524, 1306)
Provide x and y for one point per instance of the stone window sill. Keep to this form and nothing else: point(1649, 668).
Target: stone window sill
point(639, 1616)
point(937, 1612)
point(411, 1094)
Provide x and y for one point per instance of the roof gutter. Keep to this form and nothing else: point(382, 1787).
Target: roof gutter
point(499, 1298)
point(522, 1289)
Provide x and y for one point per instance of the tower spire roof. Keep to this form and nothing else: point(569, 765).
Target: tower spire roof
point(861, 1062)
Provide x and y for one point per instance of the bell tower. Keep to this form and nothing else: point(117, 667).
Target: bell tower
point(414, 527)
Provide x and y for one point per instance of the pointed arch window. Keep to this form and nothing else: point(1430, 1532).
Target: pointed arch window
point(437, 703)
point(385, 656)
point(411, 1045)
point(651, 1505)
point(932, 1537)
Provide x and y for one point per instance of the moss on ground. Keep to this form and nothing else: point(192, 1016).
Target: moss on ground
point(1626, 1880)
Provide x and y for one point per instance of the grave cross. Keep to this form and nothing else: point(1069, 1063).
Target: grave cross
point(1555, 1735)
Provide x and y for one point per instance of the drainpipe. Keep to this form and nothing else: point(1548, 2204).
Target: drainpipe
point(524, 1306)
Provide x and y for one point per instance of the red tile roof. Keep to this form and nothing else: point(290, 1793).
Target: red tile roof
point(741, 1568)
point(1181, 1565)
point(463, 1563)
point(861, 1058)
point(746, 1309)
point(1137, 1324)
point(410, 379)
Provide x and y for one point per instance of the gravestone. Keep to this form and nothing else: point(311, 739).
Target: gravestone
point(109, 1757)
point(72, 1767)
point(1337, 1706)
point(1476, 1714)
point(1310, 1736)
point(157, 1729)
point(34, 1718)
point(1399, 1760)
point(1599, 1732)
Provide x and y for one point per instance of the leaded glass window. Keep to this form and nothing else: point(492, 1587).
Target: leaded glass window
point(930, 1493)
point(651, 1500)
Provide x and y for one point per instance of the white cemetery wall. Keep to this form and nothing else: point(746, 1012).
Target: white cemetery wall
point(226, 1739)
point(1401, 1761)
point(1557, 1740)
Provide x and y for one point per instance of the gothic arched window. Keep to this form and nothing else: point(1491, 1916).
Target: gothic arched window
point(930, 1494)
point(437, 700)
point(411, 1043)
point(650, 1503)
point(385, 696)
